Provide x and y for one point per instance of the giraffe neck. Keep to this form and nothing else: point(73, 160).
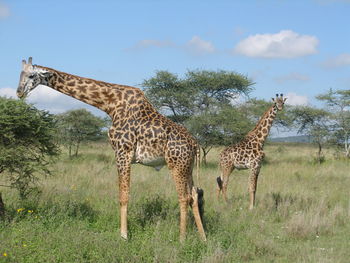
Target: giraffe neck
point(262, 129)
point(102, 95)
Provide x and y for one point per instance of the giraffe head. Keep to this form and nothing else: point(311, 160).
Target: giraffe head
point(279, 101)
point(31, 76)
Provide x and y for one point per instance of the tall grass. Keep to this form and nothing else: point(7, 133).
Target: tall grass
point(302, 213)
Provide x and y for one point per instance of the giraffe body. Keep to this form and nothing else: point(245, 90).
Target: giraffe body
point(139, 134)
point(248, 154)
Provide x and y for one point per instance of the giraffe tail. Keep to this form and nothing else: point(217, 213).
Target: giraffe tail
point(219, 181)
point(198, 161)
point(200, 191)
point(201, 202)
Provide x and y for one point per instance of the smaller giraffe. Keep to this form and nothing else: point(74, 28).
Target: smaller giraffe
point(248, 154)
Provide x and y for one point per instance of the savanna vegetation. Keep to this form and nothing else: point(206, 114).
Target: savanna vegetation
point(65, 208)
point(302, 213)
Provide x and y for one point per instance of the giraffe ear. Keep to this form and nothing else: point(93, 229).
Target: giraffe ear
point(273, 99)
point(284, 99)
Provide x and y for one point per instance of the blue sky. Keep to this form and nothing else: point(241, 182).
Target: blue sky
point(299, 48)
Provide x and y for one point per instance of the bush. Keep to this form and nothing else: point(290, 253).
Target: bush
point(27, 143)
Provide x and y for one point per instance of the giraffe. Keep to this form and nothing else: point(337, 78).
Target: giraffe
point(248, 154)
point(139, 134)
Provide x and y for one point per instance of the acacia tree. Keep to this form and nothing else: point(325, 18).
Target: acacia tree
point(169, 94)
point(215, 88)
point(197, 100)
point(315, 123)
point(200, 91)
point(339, 103)
point(79, 125)
point(27, 143)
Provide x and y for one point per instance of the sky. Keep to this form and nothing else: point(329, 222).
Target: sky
point(298, 48)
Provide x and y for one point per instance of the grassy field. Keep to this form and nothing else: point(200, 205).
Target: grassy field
point(302, 213)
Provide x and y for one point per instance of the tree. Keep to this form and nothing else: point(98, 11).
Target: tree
point(200, 91)
point(79, 125)
point(339, 103)
point(212, 88)
point(169, 94)
point(315, 123)
point(27, 143)
point(197, 100)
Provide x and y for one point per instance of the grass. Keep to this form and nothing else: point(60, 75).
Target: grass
point(302, 213)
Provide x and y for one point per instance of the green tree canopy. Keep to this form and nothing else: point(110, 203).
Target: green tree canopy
point(211, 88)
point(27, 141)
point(80, 125)
point(198, 91)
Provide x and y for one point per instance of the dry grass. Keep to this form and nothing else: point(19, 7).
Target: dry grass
point(302, 213)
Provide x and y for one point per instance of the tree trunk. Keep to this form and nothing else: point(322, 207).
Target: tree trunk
point(319, 153)
point(2, 207)
point(70, 150)
point(347, 149)
point(204, 158)
point(77, 149)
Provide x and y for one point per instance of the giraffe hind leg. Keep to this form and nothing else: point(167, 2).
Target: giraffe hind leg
point(222, 183)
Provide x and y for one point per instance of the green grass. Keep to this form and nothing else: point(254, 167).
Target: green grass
point(302, 213)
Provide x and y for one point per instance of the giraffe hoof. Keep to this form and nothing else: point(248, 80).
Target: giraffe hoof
point(124, 236)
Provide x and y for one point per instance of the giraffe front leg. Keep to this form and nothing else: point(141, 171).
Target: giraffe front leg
point(253, 181)
point(124, 167)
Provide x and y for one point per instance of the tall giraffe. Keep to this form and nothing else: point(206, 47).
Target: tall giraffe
point(248, 154)
point(139, 134)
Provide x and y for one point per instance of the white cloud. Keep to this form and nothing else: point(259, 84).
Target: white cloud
point(294, 76)
point(338, 61)
point(4, 11)
point(196, 45)
point(296, 100)
point(46, 98)
point(43, 93)
point(285, 44)
point(199, 46)
point(8, 92)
